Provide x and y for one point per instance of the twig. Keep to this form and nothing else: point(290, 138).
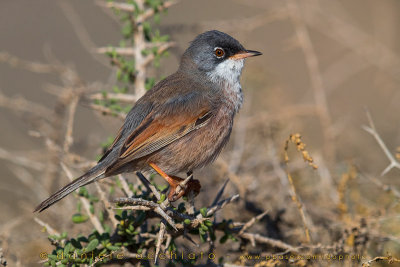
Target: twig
point(107, 205)
point(163, 47)
point(140, 45)
point(220, 205)
point(68, 139)
point(148, 185)
point(137, 207)
point(220, 192)
point(117, 5)
point(28, 65)
point(22, 161)
point(129, 98)
point(129, 51)
point(20, 104)
point(372, 130)
point(160, 239)
point(154, 206)
point(389, 259)
point(150, 11)
point(183, 184)
point(107, 111)
point(237, 181)
point(125, 186)
point(48, 228)
point(269, 241)
point(252, 221)
point(384, 187)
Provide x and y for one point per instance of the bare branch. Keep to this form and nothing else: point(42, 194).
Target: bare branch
point(160, 239)
point(220, 205)
point(266, 240)
point(107, 205)
point(19, 160)
point(48, 228)
point(253, 221)
point(220, 192)
point(372, 130)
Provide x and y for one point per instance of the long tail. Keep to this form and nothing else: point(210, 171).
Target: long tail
point(89, 177)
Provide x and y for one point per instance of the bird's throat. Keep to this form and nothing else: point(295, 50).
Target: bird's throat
point(227, 77)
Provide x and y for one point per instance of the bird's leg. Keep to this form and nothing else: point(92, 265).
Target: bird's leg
point(178, 187)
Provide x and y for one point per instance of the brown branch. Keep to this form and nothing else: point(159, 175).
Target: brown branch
point(20, 104)
point(35, 67)
point(253, 220)
point(107, 111)
point(389, 259)
point(163, 47)
point(220, 205)
point(19, 160)
point(160, 239)
point(150, 11)
point(107, 205)
point(266, 240)
point(47, 227)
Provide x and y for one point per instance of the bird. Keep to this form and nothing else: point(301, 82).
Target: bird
point(182, 123)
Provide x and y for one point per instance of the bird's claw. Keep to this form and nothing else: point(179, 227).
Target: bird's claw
point(179, 188)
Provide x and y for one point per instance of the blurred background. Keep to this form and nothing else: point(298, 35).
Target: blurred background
point(324, 64)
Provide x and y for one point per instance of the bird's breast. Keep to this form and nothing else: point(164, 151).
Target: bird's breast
point(232, 96)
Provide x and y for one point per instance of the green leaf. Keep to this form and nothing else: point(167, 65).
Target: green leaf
point(203, 227)
point(52, 257)
point(203, 211)
point(208, 223)
point(79, 218)
point(162, 198)
point(113, 248)
point(92, 245)
point(83, 192)
point(76, 243)
point(68, 248)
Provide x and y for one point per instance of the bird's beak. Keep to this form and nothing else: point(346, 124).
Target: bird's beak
point(246, 54)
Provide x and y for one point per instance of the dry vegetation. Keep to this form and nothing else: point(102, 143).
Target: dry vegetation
point(260, 198)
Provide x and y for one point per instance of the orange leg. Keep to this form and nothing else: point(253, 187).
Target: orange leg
point(174, 182)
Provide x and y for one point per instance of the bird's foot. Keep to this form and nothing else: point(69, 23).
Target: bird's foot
point(182, 187)
point(179, 187)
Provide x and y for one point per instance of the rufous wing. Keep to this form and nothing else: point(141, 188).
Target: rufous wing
point(156, 132)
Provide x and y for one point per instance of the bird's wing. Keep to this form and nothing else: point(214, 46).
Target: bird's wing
point(134, 118)
point(162, 126)
point(159, 132)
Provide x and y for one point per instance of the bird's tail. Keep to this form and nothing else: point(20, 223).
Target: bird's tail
point(94, 174)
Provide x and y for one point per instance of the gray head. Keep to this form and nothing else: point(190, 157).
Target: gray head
point(216, 54)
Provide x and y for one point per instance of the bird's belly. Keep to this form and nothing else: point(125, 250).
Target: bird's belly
point(197, 148)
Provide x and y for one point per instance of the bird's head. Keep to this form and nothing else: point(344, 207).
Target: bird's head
point(218, 55)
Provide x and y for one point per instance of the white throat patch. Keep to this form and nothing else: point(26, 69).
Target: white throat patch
point(227, 74)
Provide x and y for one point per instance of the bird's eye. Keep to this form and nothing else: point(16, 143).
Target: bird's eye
point(219, 52)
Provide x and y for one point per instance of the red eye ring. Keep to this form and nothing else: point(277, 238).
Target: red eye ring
point(219, 52)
